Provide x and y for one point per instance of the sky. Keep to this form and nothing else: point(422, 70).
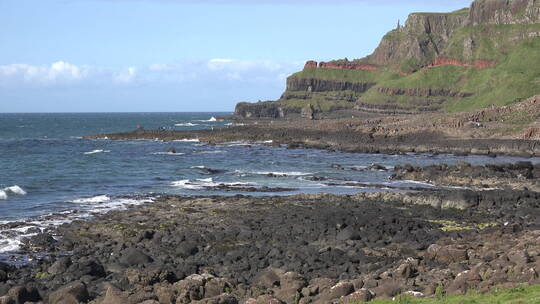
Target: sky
point(178, 55)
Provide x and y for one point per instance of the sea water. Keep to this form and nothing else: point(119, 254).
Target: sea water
point(50, 175)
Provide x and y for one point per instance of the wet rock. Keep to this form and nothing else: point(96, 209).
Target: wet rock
point(81, 268)
point(72, 293)
point(23, 294)
point(133, 257)
point(42, 242)
point(60, 266)
point(377, 167)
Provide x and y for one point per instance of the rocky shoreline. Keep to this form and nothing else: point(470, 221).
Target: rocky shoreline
point(340, 135)
point(296, 249)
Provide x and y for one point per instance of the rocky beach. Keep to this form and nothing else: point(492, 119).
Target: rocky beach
point(295, 249)
point(411, 173)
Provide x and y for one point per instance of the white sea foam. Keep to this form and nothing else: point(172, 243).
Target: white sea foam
point(168, 153)
point(13, 190)
point(188, 140)
point(275, 173)
point(204, 183)
point(211, 152)
point(187, 124)
point(92, 200)
point(96, 151)
point(11, 239)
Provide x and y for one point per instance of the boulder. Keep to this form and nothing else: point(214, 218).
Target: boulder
point(359, 296)
point(7, 300)
point(221, 299)
point(72, 293)
point(348, 233)
point(114, 296)
point(337, 291)
point(133, 257)
point(23, 294)
point(268, 278)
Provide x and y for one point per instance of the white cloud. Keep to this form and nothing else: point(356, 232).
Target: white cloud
point(63, 73)
point(126, 76)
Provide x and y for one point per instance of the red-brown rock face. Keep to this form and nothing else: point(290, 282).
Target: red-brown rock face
point(310, 65)
point(478, 64)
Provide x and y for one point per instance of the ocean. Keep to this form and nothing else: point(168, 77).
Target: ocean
point(50, 175)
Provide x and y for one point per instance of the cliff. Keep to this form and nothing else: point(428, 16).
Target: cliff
point(472, 58)
point(421, 40)
point(499, 12)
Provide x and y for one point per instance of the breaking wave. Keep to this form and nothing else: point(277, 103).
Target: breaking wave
point(13, 190)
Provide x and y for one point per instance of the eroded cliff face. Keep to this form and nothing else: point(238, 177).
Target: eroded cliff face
point(426, 65)
point(422, 39)
point(322, 85)
point(498, 12)
point(269, 109)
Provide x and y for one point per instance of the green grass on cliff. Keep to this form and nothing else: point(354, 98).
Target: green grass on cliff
point(515, 77)
point(520, 295)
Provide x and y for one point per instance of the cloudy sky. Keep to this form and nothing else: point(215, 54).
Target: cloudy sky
point(177, 55)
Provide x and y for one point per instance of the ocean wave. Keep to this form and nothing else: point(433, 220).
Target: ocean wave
point(188, 140)
point(11, 238)
point(16, 190)
point(92, 200)
point(274, 173)
point(211, 152)
point(187, 124)
point(96, 151)
point(168, 153)
point(205, 183)
point(212, 119)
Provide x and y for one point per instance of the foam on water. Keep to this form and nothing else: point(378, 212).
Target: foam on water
point(187, 124)
point(205, 183)
point(15, 190)
point(12, 190)
point(168, 153)
point(92, 200)
point(11, 238)
point(96, 151)
point(188, 140)
point(273, 173)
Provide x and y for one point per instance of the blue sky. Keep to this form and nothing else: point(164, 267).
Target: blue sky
point(177, 55)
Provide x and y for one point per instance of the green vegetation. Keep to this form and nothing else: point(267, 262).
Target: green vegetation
point(358, 76)
point(455, 226)
point(515, 77)
point(462, 12)
point(520, 295)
